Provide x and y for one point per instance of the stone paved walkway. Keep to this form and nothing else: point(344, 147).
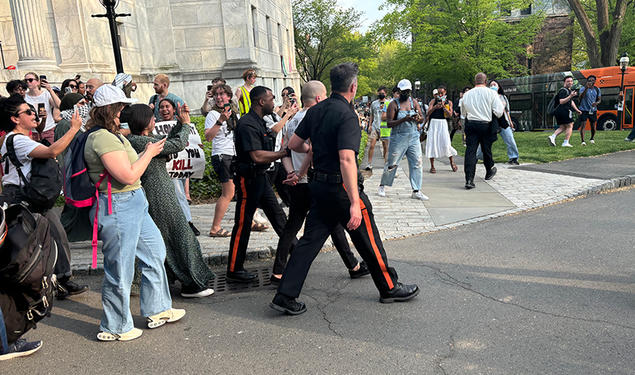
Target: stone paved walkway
point(397, 215)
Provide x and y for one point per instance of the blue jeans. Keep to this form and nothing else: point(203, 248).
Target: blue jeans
point(179, 189)
point(403, 143)
point(127, 233)
point(507, 135)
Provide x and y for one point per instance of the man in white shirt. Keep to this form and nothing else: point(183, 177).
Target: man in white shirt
point(477, 106)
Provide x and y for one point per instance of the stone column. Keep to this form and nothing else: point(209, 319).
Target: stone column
point(32, 34)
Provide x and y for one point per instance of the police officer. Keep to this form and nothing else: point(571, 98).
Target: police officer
point(333, 128)
point(254, 150)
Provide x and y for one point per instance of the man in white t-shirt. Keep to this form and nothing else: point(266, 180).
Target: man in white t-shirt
point(46, 99)
point(478, 105)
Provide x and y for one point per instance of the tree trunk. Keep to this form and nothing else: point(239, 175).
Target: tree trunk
point(589, 35)
point(609, 48)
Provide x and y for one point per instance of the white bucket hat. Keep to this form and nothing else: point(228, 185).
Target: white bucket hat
point(109, 94)
point(404, 84)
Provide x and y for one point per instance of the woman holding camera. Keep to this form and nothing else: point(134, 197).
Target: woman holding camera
point(438, 143)
point(183, 252)
point(125, 225)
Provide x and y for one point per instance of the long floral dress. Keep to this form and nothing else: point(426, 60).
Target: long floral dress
point(184, 260)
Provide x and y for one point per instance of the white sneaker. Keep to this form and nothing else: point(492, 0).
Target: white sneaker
point(552, 140)
point(567, 144)
point(368, 167)
point(419, 195)
point(381, 191)
point(199, 294)
point(627, 139)
point(592, 142)
point(583, 144)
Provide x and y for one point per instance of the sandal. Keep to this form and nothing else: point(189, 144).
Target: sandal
point(433, 170)
point(259, 227)
point(220, 233)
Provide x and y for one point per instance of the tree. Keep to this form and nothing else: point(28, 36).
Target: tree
point(324, 36)
point(603, 36)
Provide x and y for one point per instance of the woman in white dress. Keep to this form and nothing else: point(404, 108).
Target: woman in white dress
point(438, 143)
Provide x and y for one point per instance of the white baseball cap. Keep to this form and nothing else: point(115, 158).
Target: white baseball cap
point(404, 84)
point(109, 94)
point(435, 92)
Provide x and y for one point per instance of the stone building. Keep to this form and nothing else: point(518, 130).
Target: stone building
point(553, 44)
point(192, 41)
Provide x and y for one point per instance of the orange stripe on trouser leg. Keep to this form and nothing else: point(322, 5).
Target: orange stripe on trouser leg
point(241, 221)
point(371, 238)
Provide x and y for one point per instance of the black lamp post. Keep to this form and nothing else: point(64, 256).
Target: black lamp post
point(110, 6)
point(624, 60)
point(417, 87)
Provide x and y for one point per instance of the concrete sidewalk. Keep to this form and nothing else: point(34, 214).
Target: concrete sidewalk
point(512, 190)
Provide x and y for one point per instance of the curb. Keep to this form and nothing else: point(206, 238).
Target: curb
point(220, 259)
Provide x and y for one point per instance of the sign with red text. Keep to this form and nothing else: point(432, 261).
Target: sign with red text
point(188, 163)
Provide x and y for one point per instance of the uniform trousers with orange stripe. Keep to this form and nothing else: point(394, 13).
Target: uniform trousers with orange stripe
point(251, 193)
point(330, 206)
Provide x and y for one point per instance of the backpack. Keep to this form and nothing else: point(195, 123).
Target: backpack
point(42, 191)
point(552, 106)
point(79, 189)
point(28, 254)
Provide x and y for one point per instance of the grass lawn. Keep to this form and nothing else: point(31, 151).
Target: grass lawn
point(534, 146)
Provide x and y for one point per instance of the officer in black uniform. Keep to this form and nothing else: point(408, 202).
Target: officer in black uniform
point(338, 196)
point(254, 149)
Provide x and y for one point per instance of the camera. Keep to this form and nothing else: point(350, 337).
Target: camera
point(209, 87)
point(292, 101)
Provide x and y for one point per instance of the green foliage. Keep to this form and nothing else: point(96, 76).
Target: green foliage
point(208, 187)
point(362, 147)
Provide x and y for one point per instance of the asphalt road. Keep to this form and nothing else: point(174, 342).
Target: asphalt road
point(550, 291)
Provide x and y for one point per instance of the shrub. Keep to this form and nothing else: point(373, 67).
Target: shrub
point(208, 187)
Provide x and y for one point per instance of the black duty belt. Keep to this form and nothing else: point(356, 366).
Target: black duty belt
point(478, 122)
point(329, 178)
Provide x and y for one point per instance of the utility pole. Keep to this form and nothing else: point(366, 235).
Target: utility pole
point(110, 6)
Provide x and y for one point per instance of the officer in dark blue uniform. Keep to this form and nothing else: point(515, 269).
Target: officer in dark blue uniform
point(254, 144)
point(338, 197)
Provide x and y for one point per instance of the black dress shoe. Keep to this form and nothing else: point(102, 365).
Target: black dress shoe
point(68, 288)
point(490, 174)
point(194, 229)
point(242, 276)
point(274, 280)
point(470, 185)
point(515, 162)
point(400, 293)
point(362, 271)
point(287, 305)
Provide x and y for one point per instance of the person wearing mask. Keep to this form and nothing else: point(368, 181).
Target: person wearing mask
point(208, 102)
point(438, 142)
point(507, 134)
point(564, 112)
point(183, 252)
point(17, 86)
point(477, 106)
point(161, 85)
point(18, 120)
point(254, 153)
point(338, 196)
point(378, 125)
point(167, 112)
point(43, 98)
point(297, 168)
point(242, 93)
point(125, 225)
point(590, 98)
point(125, 83)
point(403, 117)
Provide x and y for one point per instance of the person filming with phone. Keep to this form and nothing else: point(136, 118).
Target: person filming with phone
point(564, 112)
point(40, 94)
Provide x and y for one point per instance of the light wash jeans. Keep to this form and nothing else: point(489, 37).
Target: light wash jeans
point(127, 233)
point(404, 140)
point(179, 189)
point(507, 135)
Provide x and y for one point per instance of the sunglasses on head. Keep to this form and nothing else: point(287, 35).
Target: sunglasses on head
point(31, 79)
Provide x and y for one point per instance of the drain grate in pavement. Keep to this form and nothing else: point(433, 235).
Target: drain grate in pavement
point(221, 286)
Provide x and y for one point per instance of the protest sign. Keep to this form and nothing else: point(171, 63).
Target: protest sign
point(190, 162)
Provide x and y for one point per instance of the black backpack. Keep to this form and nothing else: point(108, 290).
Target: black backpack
point(45, 186)
point(28, 254)
point(552, 106)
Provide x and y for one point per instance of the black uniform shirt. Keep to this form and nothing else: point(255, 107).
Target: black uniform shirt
point(252, 134)
point(332, 125)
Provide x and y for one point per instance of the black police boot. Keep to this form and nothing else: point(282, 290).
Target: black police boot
point(470, 185)
point(194, 229)
point(400, 293)
point(66, 288)
point(362, 271)
point(287, 305)
point(490, 174)
point(242, 276)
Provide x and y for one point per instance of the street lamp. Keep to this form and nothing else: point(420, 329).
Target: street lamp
point(417, 87)
point(110, 6)
point(624, 60)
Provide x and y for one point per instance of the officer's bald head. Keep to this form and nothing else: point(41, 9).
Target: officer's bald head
point(312, 92)
point(480, 78)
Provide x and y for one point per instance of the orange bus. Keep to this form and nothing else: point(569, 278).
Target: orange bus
point(529, 97)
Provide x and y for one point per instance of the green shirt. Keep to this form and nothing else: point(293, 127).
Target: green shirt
point(102, 142)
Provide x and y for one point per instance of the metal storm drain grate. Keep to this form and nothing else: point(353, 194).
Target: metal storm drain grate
point(221, 286)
